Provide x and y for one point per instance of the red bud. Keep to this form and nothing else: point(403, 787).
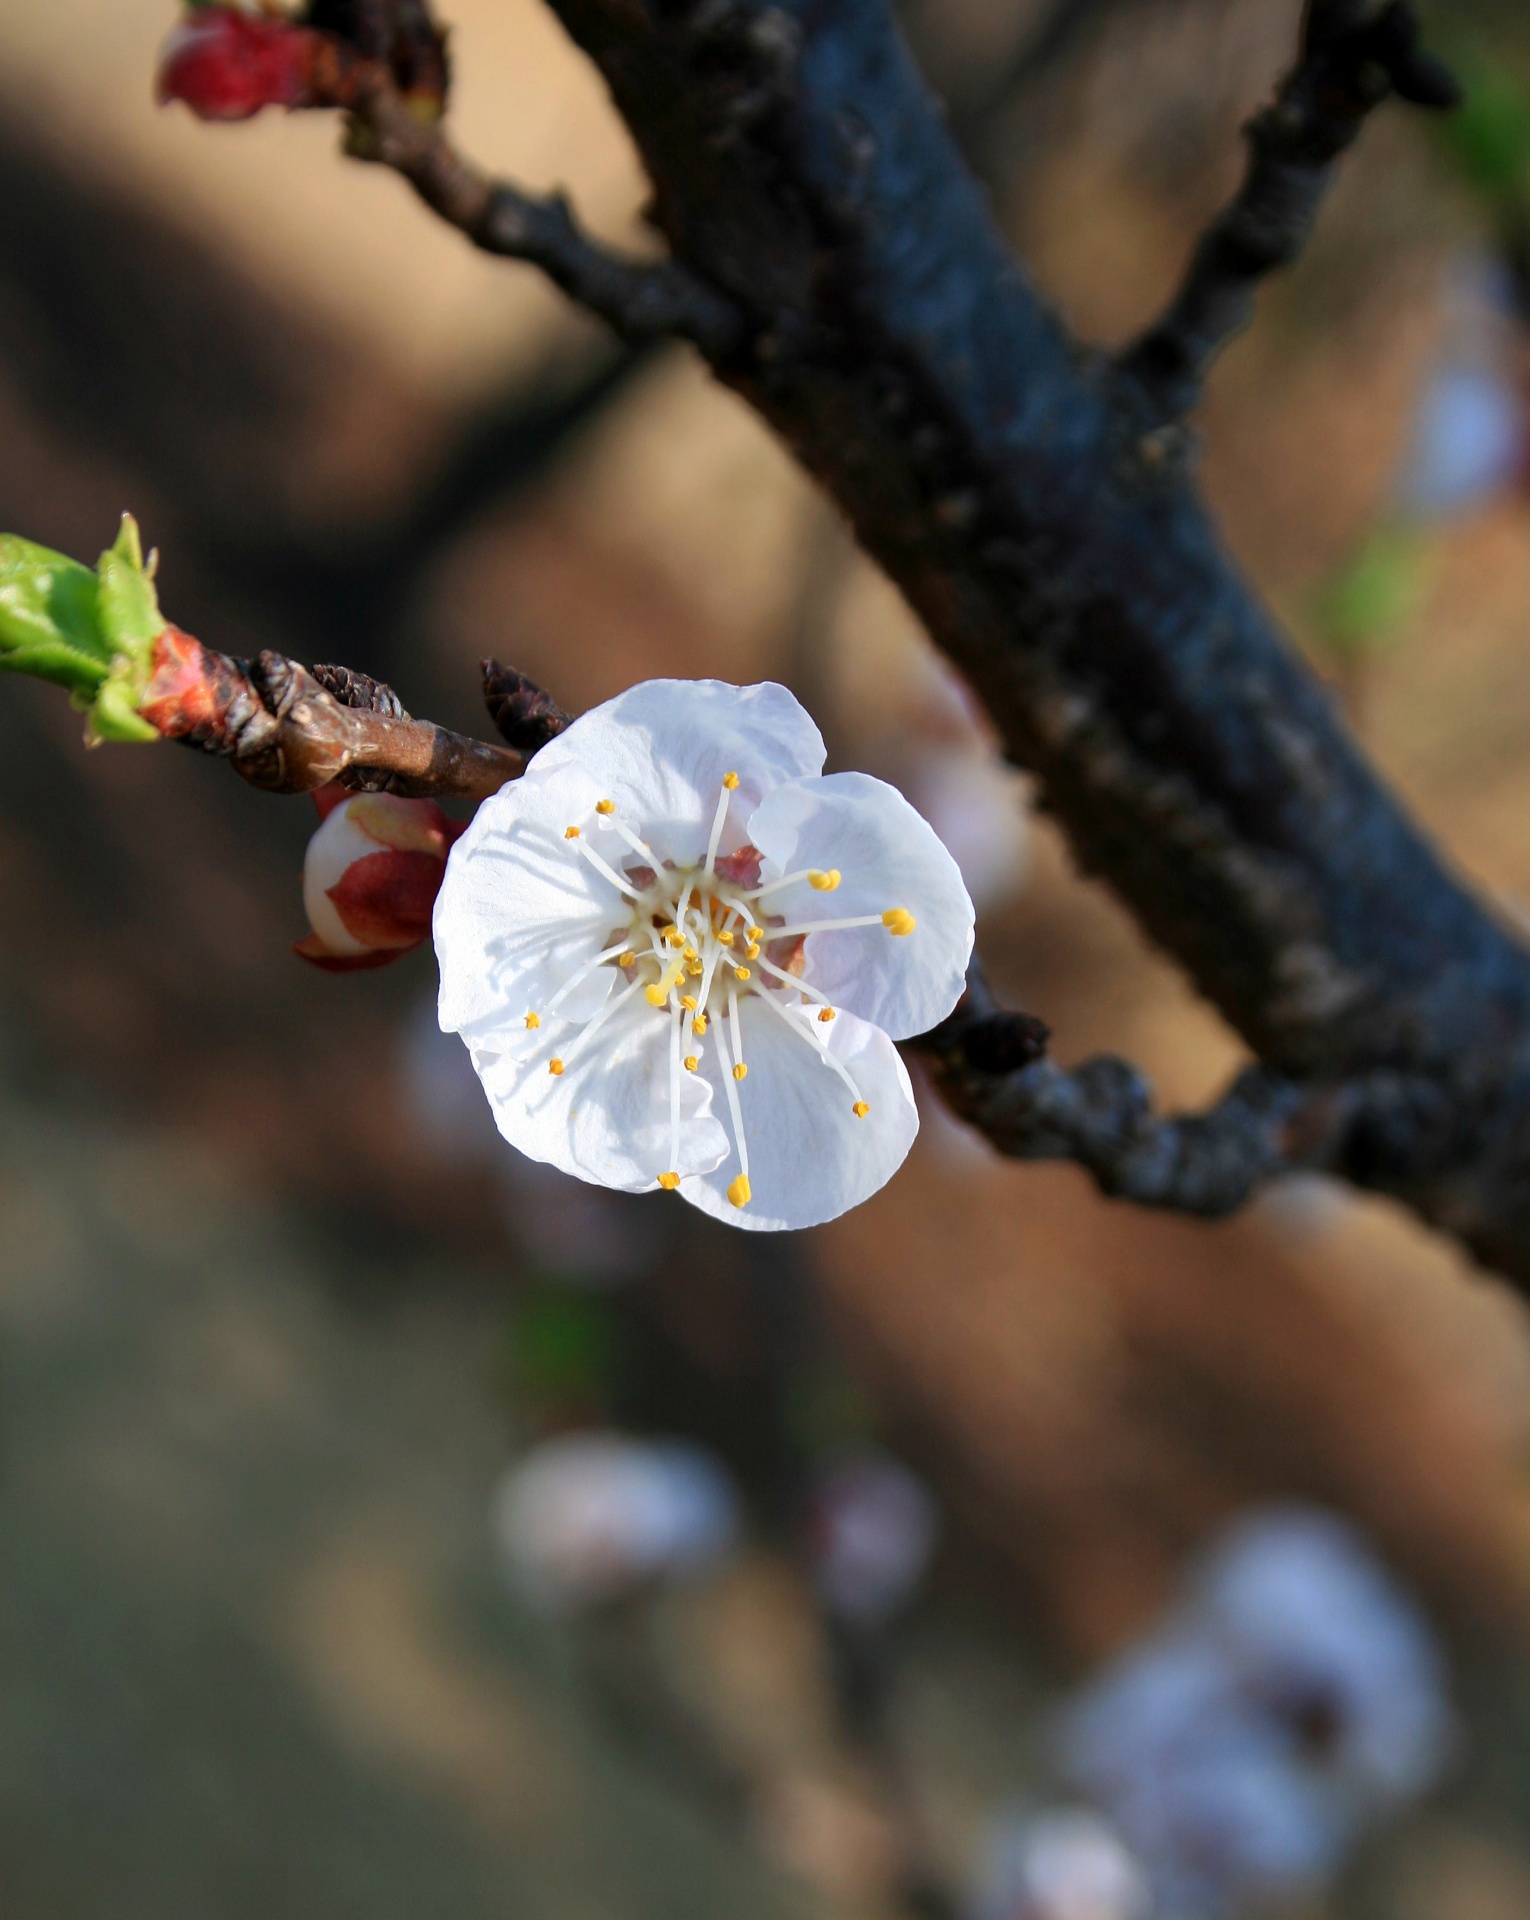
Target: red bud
point(226, 64)
point(371, 877)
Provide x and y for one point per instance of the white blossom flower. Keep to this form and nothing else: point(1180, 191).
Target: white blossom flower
point(1295, 1695)
point(873, 1527)
point(1061, 1863)
point(638, 945)
point(589, 1516)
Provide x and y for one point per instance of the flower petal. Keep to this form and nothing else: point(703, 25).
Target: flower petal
point(521, 910)
point(661, 750)
point(605, 1117)
point(810, 1157)
point(887, 856)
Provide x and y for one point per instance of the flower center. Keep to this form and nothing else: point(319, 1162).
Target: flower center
point(696, 944)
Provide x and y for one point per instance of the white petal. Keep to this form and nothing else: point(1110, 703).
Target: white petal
point(605, 1118)
point(810, 1158)
point(887, 856)
point(338, 842)
point(521, 909)
point(661, 749)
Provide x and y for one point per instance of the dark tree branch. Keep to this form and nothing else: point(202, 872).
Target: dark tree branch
point(289, 731)
point(1351, 60)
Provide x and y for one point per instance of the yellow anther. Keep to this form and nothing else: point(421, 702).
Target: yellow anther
point(688, 1001)
point(555, 1066)
point(605, 806)
point(740, 1072)
point(730, 781)
point(690, 954)
point(672, 936)
point(691, 1063)
point(695, 969)
point(860, 1109)
point(898, 921)
point(533, 1020)
point(827, 1014)
point(725, 938)
point(824, 882)
point(626, 959)
point(738, 1191)
point(571, 833)
point(752, 951)
point(668, 980)
point(741, 973)
point(699, 1025)
point(669, 1181)
point(756, 933)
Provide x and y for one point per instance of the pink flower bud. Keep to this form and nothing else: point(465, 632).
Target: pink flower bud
point(226, 64)
point(371, 876)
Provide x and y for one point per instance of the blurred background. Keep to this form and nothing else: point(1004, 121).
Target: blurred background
point(389, 1525)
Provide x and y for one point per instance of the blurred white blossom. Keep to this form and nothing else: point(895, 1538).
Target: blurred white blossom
point(1294, 1696)
point(1469, 438)
point(587, 1517)
point(1064, 1863)
point(873, 1529)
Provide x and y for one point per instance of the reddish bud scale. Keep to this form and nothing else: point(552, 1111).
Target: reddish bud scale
point(226, 64)
point(194, 694)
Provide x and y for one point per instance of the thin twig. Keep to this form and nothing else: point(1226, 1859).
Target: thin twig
point(642, 300)
point(1351, 61)
point(990, 1066)
point(286, 733)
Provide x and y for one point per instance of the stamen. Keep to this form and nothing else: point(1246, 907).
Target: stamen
point(725, 938)
point(533, 1020)
point(820, 1047)
point(674, 1087)
point(895, 920)
point(669, 1181)
point(739, 1069)
point(735, 1113)
point(607, 807)
point(601, 868)
point(583, 973)
point(699, 1025)
point(826, 1015)
point(802, 986)
point(625, 958)
point(691, 1062)
point(824, 882)
point(741, 973)
point(660, 990)
point(588, 1032)
point(633, 840)
point(555, 1067)
point(756, 933)
point(688, 1001)
point(694, 969)
point(752, 951)
point(714, 839)
point(672, 936)
point(571, 833)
